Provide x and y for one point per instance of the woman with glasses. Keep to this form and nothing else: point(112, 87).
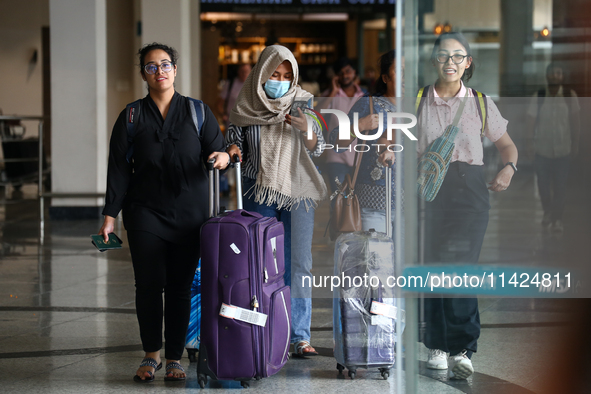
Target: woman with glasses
point(456, 220)
point(157, 178)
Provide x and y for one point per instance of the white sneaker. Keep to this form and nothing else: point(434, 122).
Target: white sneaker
point(460, 366)
point(437, 359)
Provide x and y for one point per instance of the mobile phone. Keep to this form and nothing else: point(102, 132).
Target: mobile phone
point(300, 103)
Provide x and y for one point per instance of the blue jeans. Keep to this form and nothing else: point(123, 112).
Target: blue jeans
point(299, 228)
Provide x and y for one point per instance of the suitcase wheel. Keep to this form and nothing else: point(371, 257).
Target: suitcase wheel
point(244, 384)
point(202, 381)
point(192, 353)
point(257, 378)
point(340, 368)
point(352, 374)
point(385, 373)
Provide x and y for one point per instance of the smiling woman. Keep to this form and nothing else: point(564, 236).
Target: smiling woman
point(457, 217)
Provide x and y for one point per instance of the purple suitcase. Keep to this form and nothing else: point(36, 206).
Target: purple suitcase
point(242, 265)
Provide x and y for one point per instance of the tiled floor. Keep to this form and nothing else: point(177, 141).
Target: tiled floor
point(67, 322)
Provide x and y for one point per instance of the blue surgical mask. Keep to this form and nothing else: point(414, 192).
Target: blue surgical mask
point(276, 89)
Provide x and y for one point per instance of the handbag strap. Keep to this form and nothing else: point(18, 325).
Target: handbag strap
point(453, 128)
point(460, 109)
point(358, 155)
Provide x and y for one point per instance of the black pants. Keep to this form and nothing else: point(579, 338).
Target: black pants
point(455, 225)
point(161, 266)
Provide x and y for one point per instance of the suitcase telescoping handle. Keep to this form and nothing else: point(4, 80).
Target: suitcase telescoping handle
point(214, 186)
point(237, 165)
point(389, 198)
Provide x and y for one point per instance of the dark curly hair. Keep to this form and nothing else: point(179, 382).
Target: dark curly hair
point(174, 55)
point(459, 37)
point(384, 64)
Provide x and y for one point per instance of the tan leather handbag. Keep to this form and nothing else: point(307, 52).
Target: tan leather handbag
point(345, 216)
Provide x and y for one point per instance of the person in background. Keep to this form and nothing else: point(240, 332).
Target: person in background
point(369, 80)
point(225, 103)
point(162, 191)
point(553, 126)
point(230, 92)
point(370, 187)
point(279, 177)
point(341, 95)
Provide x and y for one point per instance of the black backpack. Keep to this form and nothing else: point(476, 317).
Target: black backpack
point(133, 110)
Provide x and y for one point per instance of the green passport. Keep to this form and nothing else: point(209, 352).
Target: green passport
point(99, 242)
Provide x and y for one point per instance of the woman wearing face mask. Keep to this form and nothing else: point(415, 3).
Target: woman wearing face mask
point(279, 178)
point(457, 218)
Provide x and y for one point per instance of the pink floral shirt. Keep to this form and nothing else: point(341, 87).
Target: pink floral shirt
point(437, 114)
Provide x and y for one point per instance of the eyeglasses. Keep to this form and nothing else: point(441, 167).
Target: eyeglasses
point(457, 59)
point(152, 68)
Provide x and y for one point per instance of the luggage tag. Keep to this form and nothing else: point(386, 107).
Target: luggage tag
point(245, 315)
point(235, 248)
point(381, 310)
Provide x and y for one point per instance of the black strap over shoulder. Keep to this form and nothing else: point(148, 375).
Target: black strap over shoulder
point(132, 115)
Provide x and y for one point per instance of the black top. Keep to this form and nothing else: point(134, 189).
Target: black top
point(165, 189)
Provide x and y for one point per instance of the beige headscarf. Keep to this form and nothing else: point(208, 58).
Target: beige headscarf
point(287, 175)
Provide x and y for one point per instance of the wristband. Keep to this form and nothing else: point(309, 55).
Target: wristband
point(509, 163)
point(352, 135)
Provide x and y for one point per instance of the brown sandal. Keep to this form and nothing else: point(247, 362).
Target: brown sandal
point(303, 349)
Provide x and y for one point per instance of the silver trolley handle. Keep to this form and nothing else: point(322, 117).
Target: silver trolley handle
point(389, 198)
point(236, 164)
point(214, 189)
point(214, 186)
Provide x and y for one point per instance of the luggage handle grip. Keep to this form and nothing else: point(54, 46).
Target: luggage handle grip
point(210, 163)
point(237, 164)
point(214, 188)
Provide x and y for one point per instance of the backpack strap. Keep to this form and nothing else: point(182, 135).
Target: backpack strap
point(481, 106)
point(132, 112)
point(198, 114)
point(420, 99)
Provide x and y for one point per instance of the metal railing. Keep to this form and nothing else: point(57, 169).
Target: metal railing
point(41, 194)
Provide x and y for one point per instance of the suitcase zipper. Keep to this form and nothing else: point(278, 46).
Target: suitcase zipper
point(259, 333)
point(274, 246)
point(288, 326)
